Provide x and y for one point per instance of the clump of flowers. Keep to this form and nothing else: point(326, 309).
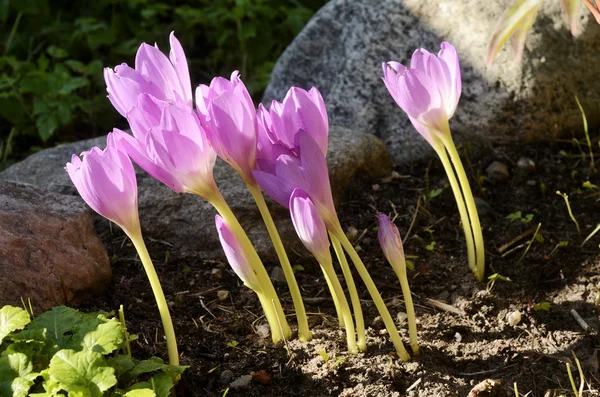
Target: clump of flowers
point(280, 150)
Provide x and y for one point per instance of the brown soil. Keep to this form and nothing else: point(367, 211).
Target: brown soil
point(457, 351)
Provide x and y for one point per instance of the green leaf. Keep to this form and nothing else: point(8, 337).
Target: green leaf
point(57, 52)
point(16, 375)
point(12, 319)
point(140, 393)
point(162, 385)
point(543, 306)
point(82, 373)
point(121, 364)
point(105, 339)
point(155, 364)
point(46, 125)
point(57, 322)
point(515, 216)
point(516, 21)
point(73, 84)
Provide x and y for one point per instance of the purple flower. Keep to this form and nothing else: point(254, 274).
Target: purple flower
point(105, 179)
point(389, 239)
point(309, 226)
point(300, 110)
point(429, 90)
point(302, 167)
point(228, 115)
point(169, 143)
point(235, 255)
point(167, 79)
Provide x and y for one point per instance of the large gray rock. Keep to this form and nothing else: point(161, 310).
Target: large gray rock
point(49, 251)
point(186, 221)
point(341, 49)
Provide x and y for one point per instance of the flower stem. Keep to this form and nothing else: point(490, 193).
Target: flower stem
point(400, 270)
point(273, 317)
point(159, 296)
point(358, 316)
point(462, 209)
point(343, 303)
point(304, 333)
point(383, 311)
point(334, 295)
point(470, 201)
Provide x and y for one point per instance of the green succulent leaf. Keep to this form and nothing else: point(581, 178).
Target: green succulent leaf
point(12, 319)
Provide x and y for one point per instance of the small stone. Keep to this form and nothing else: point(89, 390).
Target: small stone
point(376, 187)
point(526, 164)
point(263, 330)
point(402, 317)
point(278, 275)
point(458, 337)
point(226, 377)
point(241, 383)
point(216, 274)
point(352, 232)
point(483, 207)
point(514, 318)
point(377, 323)
point(261, 377)
point(497, 171)
point(488, 388)
point(443, 296)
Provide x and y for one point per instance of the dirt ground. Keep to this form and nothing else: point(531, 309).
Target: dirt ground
point(545, 282)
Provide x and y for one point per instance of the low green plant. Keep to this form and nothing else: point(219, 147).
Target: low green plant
point(517, 216)
point(65, 351)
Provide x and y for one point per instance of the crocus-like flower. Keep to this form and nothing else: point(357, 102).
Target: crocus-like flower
point(309, 226)
point(105, 179)
point(236, 256)
point(170, 144)
point(391, 244)
point(389, 239)
point(167, 79)
point(429, 90)
point(300, 110)
point(303, 167)
point(228, 115)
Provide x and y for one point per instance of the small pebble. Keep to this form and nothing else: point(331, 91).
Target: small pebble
point(226, 376)
point(377, 323)
point(402, 317)
point(278, 275)
point(514, 318)
point(526, 164)
point(222, 294)
point(216, 274)
point(241, 383)
point(376, 187)
point(352, 232)
point(263, 330)
point(483, 207)
point(497, 171)
point(458, 337)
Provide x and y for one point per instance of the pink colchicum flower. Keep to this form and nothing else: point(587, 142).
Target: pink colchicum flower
point(310, 226)
point(236, 256)
point(169, 143)
point(303, 167)
point(227, 113)
point(428, 91)
point(167, 79)
point(389, 239)
point(105, 179)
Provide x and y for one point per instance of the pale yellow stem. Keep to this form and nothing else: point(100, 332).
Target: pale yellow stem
point(343, 303)
point(383, 311)
point(217, 200)
point(358, 316)
point(470, 201)
point(336, 301)
point(400, 270)
point(462, 209)
point(159, 296)
point(304, 333)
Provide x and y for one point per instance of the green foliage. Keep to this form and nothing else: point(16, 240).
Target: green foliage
point(517, 216)
point(51, 56)
point(66, 351)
